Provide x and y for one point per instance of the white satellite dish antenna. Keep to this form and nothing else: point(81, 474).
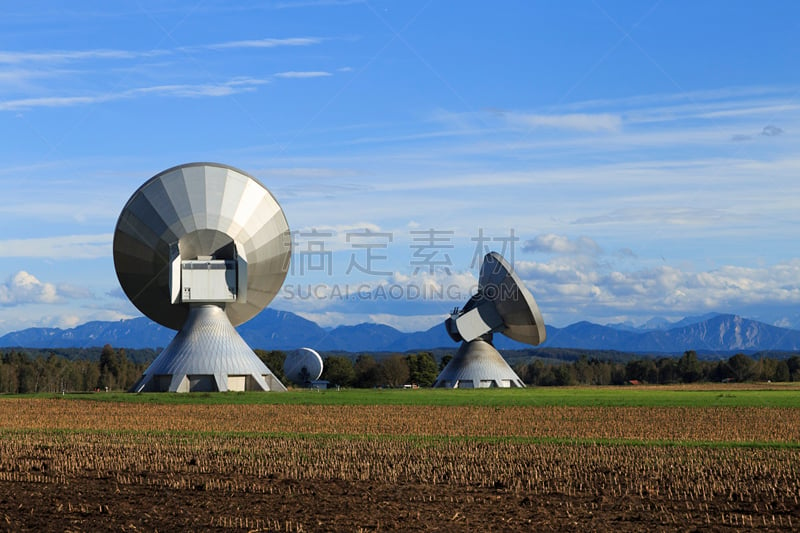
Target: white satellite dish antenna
point(501, 305)
point(303, 366)
point(201, 248)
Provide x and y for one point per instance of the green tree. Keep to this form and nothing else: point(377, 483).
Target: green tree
point(794, 367)
point(9, 375)
point(55, 369)
point(582, 371)
point(368, 372)
point(601, 372)
point(642, 370)
point(90, 375)
point(539, 374)
point(274, 360)
point(782, 373)
point(741, 367)
point(394, 371)
point(423, 369)
point(667, 370)
point(617, 374)
point(689, 368)
point(564, 374)
point(766, 368)
point(27, 378)
point(339, 371)
point(117, 372)
point(445, 361)
point(109, 368)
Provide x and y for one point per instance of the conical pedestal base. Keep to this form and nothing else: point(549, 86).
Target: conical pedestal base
point(207, 355)
point(477, 364)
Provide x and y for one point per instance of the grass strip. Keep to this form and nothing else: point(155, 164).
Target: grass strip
point(646, 396)
point(197, 437)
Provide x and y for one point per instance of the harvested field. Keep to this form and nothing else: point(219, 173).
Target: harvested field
point(87, 466)
point(714, 424)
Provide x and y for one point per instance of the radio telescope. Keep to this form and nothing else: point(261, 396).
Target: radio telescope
point(303, 366)
point(201, 248)
point(501, 305)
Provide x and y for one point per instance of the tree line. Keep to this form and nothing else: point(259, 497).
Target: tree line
point(366, 372)
point(21, 372)
point(422, 369)
point(664, 370)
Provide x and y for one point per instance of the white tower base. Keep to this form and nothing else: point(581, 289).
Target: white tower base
point(477, 364)
point(207, 355)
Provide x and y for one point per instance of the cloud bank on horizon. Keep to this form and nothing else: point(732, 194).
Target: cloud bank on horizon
point(631, 160)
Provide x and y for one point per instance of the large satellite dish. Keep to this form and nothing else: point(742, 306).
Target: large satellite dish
point(201, 248)
point(503, 305)
point(303, 366)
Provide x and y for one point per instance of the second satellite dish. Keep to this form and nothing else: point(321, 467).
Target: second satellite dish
point(501, 305)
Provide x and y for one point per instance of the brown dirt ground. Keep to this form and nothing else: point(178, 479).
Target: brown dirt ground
point(92, 504)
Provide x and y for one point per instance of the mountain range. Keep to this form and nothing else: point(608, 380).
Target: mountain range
point(280, 330)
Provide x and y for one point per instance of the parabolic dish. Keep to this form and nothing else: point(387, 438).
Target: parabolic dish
point(302, 366)
point(513, 301)
point(201, 210)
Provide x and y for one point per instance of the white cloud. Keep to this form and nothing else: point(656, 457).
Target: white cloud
point(592, 290)
point(303, 74)
point(63, 247)
point(332, 319)
point(229, 87)
point(29, 316)
point(681, 216)
point(74, 292)
point(408, 323)
point(660, 122)
point(264, 43)
point(58, 56)
point(569, 121)
point(20, 79)
point(53, 101)
point(309, 242)
point(61, 56)
point(522, 120)
point(298, 296)
point(561, 244)
point(453, 286)
point(23, 288)
point(419, 295)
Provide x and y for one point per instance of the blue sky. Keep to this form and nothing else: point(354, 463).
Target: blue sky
point(637, 159)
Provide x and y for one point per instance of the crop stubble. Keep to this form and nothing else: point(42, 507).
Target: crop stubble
point(86, 465)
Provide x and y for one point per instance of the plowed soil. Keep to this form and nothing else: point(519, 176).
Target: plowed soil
point(103, 505)
point(104, 466)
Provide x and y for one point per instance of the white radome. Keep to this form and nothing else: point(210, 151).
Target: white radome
point(302, 366)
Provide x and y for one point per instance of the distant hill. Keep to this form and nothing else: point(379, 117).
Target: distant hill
point(133, 333)
point(715, 333)
point(281, 330)
point(660, 323)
